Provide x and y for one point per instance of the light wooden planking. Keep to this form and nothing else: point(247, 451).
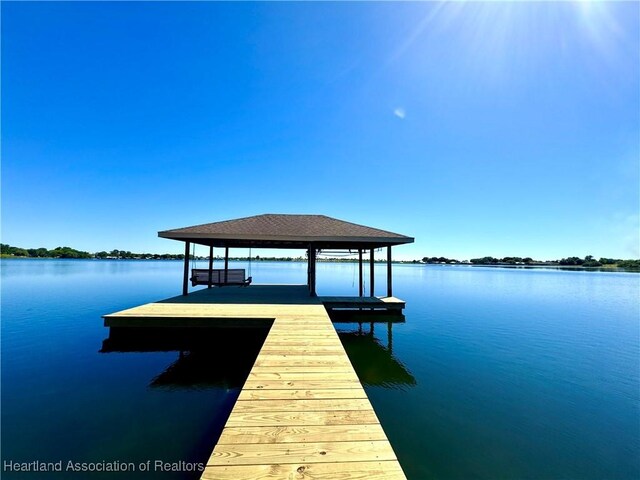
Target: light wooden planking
point(278, 453)
point(387, 470)
point(302, 344)
point(307, 405)
point(309, 393)
point(272, 349)
point(301, 355)
point(327, 365)
point(344, 417)
point(320, 334)
point(303, 406)
point(308, 352)
point(301, 384)
point(304, 375)
point(302, 434)
point(302, 368)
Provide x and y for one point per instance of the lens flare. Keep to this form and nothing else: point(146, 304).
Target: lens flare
point(495, 37)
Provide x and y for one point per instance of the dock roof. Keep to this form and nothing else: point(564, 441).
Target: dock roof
point(286, 231)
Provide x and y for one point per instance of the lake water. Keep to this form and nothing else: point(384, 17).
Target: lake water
point(496, 374)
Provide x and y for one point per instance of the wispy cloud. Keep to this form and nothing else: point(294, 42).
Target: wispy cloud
point(400, 113)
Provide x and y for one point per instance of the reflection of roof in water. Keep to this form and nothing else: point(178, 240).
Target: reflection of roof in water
point(374, 364)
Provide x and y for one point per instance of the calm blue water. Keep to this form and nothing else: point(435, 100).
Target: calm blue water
point(496, 374)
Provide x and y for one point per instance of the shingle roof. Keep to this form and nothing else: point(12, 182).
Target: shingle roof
point(286, 231)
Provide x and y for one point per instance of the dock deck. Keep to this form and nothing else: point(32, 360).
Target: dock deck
point(239, 306)
point(302, 412)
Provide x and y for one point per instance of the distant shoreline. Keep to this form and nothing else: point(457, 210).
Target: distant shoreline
point(548, 266)
point(8, 251)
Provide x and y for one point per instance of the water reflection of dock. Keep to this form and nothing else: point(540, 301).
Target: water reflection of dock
point(223, 357)
point(205, 358)
point(302, 409)
point(374, 363)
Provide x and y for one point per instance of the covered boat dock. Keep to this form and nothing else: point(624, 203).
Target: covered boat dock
point(312, 233)
point(302, 412)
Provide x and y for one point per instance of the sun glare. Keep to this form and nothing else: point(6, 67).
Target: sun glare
point(494, 36)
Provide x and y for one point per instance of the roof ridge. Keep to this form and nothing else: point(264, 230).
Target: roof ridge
point(212, 223)
point(363, 226)
point(288, 227)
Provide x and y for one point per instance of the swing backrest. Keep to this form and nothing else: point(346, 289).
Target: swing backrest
point(235, 276)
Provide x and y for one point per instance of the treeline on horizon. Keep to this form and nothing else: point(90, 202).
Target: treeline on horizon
point(588, 261)
point(68, 252)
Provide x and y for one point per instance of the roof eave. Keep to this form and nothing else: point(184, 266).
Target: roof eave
point(184, 236)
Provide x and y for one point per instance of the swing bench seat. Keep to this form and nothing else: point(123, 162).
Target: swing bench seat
point(235, 276)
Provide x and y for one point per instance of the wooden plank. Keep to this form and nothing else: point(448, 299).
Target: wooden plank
point(302, 434)
point(386, 470)
point(295, 329)
point(301, 384)
point(184, 322)
point(303, 368)
point(313, 405)
point(295, 355)
point(305, 336)
point(220, 310)
point(302, 376)
point(309, 393)
point(298, 342)
point(337, 417)
point(307, 362)
point(297, 333)
point(279, 453)
point(307, 350)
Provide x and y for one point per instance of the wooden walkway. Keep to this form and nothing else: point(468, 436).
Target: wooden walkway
point(302, 413)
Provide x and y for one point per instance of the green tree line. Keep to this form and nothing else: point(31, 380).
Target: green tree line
point(58, 252)
point(588, 261)
point(68, 252)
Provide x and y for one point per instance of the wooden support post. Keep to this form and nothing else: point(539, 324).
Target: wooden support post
point(185, 278)
point(389, 280)
point(309, 268)
point(360, 279)
point(371, 275)
point(389, 337)
point(312, 286)
point(210, 266)
point(226, 264)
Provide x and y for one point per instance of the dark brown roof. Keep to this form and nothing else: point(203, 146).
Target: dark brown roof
point(286, 231)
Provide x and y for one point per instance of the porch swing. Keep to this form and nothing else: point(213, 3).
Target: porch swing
point(219, 276)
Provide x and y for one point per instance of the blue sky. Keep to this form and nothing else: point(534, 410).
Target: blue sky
point(478, 128)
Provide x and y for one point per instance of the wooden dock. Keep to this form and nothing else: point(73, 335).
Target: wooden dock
point(242, 306)
point(302, 413)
